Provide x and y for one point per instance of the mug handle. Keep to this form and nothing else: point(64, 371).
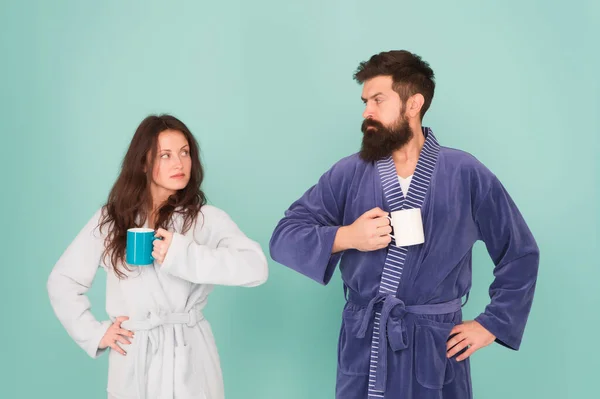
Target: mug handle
point(391, 223)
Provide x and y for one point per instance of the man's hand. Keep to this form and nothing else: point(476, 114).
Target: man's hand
point(471, 335)
point(369, 232)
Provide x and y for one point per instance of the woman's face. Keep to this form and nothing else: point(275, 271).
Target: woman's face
point(172, 165)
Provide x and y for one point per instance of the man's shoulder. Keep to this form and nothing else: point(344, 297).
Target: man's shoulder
point(455, 158)
point(351, 160)
point(348, 166)
point(344, 171)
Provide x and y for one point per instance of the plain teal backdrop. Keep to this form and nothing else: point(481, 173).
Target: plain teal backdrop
point(266, 86)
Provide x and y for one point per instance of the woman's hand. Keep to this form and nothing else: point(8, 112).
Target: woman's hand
point(161, 247)
point(116, 334)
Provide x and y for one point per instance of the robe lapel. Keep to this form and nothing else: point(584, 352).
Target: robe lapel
point(396, 256)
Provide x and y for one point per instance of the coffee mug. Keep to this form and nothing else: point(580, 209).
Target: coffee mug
point(139, 246)
point(408, 227)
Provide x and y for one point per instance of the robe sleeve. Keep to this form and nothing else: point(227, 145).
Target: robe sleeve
point(233, 260)
point(70, 279)
point(515, 254)
point(303, 239)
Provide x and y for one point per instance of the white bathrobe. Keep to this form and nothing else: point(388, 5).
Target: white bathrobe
point(173, 353)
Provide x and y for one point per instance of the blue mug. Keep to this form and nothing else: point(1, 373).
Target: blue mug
point(139, 246)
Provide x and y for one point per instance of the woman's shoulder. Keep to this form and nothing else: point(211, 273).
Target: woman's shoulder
point(208, 216)
point(212, 211)
point(212, 215)
point(97, 218)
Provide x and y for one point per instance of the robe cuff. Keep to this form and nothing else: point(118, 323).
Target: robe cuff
point(94, 342)
point(502, 333)
point(328, 234)
point(179, 245)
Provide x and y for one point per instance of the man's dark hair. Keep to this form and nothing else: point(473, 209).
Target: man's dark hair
point(410, 74)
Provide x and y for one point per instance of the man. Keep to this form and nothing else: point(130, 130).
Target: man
point(402, 331)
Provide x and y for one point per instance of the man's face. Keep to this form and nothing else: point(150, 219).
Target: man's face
point(382, 103)
point(385, 127)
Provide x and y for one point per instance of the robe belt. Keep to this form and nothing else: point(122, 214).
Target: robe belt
point(146, 333)
point(392, 328)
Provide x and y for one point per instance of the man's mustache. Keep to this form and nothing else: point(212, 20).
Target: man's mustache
point(371, 123)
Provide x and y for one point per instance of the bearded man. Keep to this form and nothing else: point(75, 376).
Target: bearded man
point(401, 218)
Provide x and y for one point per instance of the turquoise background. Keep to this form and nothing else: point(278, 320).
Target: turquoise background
point(266, 86)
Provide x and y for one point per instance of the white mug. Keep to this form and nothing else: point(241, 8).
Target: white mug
point(408, 227)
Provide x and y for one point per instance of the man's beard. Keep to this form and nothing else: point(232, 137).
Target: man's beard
point(380, 142)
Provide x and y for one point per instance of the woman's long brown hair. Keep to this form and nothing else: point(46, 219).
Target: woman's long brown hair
point(130, 201)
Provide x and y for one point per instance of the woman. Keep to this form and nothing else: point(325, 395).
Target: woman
point(162, 347)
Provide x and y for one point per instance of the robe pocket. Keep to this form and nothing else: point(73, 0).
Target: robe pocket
point(121, 372)
point(354, 353)
point(187, 378)
point(432, 368)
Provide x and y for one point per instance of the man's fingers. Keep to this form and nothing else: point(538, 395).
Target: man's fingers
point(457, 348)
point(455, 340)
point(457, 329)
point(382, 221)
point(467, 353)
point(385, 240)
point(382, 242)
point(383, 231)
point(374, 213)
